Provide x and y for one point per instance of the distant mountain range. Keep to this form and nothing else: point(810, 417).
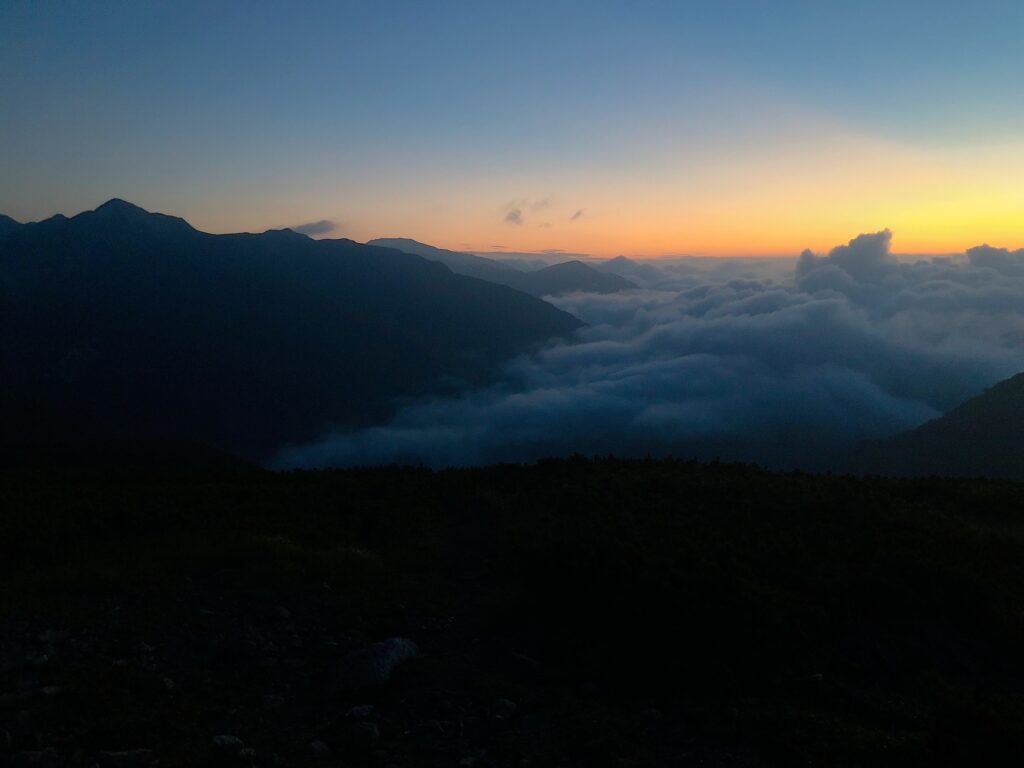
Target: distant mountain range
point(627, 268)
point(983, 437)
point(555, 280)
point(121, 323)
point(120, 327)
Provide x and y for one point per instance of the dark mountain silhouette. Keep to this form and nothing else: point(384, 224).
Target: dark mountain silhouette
point(518, 263)
point(555, 280)
point(572, 276)
point(460, 263)
point(983, 437)
point(7, 224)
point(628, 268)
point(119, 323)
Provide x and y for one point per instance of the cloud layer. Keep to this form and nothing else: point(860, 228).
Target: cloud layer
point(762, 360)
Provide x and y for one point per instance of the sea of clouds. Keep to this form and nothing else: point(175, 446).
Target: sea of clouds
point(787, 363)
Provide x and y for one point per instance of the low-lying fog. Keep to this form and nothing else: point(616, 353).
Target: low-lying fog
point(782, 361)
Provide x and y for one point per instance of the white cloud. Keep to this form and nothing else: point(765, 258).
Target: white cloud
point(733, 359)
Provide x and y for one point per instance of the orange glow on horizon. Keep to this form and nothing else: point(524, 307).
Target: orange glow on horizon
point(814, 190)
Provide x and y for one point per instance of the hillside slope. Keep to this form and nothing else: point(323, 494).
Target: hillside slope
point(555, 280)
point(983, 437)
point(123, 323)
point(571, 613)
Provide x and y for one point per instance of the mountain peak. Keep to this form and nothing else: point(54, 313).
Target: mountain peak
point(116, 205)
point(404, 240)
point(7, 224)
point(416, 248)
point(122, 214)
point(575, 266)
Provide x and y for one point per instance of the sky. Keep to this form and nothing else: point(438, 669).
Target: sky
point(737, 127)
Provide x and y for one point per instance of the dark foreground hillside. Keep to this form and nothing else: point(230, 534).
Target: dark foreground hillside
point(576, 612)
point(981, 437)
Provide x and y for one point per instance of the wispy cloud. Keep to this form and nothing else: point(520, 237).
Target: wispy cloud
point(321, 227)
point(578, 215)
point(515, 209)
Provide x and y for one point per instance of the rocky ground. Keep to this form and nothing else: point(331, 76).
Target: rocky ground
point(574, 613)
point(224, 675)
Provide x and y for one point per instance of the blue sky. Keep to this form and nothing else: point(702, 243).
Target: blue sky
point(433, 119)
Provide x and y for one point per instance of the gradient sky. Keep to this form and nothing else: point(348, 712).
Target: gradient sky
point(727, 127)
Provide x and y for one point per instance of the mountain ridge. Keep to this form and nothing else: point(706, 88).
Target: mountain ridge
point(983, 437)
point(7, 224)
point(124, 323)
point(553, 280)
